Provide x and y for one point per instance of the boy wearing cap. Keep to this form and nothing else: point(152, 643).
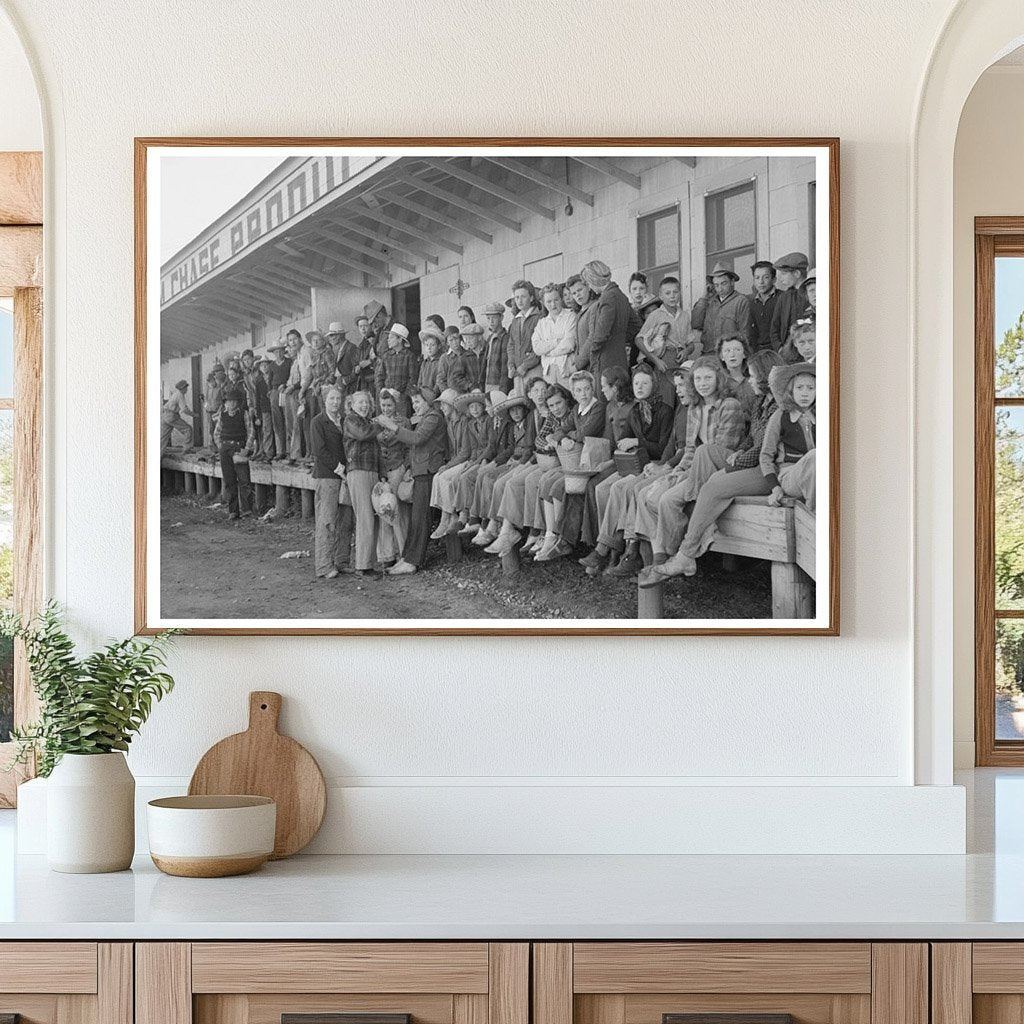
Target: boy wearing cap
point(263, 418)
point(396, 368)
point(449, 360)
point(496, 376)
point(171, 418)
point(792, 301)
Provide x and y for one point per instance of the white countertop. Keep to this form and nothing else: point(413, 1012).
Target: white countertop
point(977, 896)
point(517, 897)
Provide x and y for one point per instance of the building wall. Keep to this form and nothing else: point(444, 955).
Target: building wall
point(518, 724)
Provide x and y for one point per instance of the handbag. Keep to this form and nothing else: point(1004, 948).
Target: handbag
point(631, 463)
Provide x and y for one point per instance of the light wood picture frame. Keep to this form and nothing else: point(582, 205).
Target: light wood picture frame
point(320, 227)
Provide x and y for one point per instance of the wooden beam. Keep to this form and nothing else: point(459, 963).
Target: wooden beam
point(337, 236)
point(21, 188)
point(377, 234)
point(435, 190)
point(259, 291)
point(21, 259)
point(486, 185)
point(446, 220)
point(183, 322)
point(347, 261)
point(415, 232)
point(605, 166)
point(234, 308)
point(295, 292)
point(303, 274)
point(209, 319)
point(539, 177)
point(28, 483)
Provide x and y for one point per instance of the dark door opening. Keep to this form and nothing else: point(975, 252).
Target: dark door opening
point(405, 301)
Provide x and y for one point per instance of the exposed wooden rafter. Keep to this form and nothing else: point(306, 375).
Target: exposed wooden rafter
point(539, 177)
point(612, 170)
point(445, 219)
point(414, 232)
point(438, 191)
point(485, 184)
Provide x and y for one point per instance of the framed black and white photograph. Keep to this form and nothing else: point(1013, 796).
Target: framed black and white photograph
point(564, 386)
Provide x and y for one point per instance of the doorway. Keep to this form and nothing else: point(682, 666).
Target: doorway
point(405, 302)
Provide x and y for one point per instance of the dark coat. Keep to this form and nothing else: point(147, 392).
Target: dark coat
point(788, 308)
point(427, 442)
point(613, 324)
point(655, 435)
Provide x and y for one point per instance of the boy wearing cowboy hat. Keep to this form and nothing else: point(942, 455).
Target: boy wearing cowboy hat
point(728, 311)
point(468, 374)
point(396, 367)
point(431, 343)
point(496, 376)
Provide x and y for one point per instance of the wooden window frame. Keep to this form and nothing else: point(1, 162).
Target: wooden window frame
point(670, 269)
point(21, 273)
point(711, 257)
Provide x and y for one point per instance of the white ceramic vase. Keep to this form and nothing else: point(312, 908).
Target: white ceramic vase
point(90, 814)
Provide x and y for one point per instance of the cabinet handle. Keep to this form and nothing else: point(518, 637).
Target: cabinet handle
point(337, 1018)
point(727, 1018)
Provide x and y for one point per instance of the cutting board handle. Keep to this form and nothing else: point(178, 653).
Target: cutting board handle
point(264, 710)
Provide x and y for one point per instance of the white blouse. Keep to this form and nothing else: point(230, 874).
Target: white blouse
point(554, 340)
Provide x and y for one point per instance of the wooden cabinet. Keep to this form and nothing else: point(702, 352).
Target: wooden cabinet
point(978, 983)
point(737, 982)
point(66, 982)
point(332, 983)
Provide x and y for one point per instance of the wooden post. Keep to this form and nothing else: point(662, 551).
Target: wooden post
point(281, 499)
point(792, 592)
point(262, 500)
point(201, 488)
point(510, 563)
point(650, 602)
point(189, 480)
point(453, 547)
point(307, 503)
point(646, 552)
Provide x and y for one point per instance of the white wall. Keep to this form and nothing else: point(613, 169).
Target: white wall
point(987, 181)
point(449, 713)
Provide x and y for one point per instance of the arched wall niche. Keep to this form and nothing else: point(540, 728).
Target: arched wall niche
point(975, 35)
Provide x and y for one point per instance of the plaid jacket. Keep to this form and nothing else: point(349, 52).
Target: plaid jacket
point(727, 424)
point(428, 374)
point(750, 451)
point(361, 448)
point(496, 362)
point(396, 369)
point(468, 373)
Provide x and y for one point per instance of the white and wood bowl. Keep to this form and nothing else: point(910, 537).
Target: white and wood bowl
point(211, 836)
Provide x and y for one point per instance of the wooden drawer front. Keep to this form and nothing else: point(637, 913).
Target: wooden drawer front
point(998, 967)
point(57, 967)
point(268, 1009)
point(310, 967)
point(648, 1009)
point(726, 967)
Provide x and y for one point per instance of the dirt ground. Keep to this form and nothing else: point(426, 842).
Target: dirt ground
point(212, 567)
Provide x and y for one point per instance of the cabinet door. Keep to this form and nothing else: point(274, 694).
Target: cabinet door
point(332, 983)
point(980, 982)
point(66, 982)
point(730, 983)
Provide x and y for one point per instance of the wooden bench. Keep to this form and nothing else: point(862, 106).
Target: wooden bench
point(782, 534)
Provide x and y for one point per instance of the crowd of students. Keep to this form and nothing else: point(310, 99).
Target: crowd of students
point(590, 418)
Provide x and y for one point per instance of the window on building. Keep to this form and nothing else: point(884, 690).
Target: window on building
point(999, 495)
point(731, 231)
point(658, 245)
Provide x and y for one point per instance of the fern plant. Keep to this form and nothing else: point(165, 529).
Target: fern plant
point(91, 705)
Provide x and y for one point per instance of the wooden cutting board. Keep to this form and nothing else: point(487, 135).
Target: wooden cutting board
point(262, 762)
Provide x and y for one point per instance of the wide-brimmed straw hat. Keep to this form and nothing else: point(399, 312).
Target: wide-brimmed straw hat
point(448, 396)
point(463, 402)
point(514, 400)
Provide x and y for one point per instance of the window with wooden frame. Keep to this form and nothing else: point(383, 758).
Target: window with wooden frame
point(21, 366)
point(658, 245)
point(730, 229)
